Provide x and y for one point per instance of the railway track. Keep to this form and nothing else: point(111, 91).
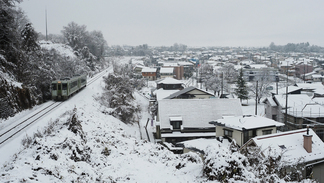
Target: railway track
point(99, 75)
point(15, 128)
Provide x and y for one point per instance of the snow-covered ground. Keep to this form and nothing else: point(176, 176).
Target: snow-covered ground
point(107, 151)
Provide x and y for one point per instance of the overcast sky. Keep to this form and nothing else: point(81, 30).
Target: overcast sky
point(191, 22)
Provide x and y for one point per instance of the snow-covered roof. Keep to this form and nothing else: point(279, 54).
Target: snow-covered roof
point(246, 62)
point(247, 122)
point(319, 91)
point(290, 89)
point(161, 94)
point(197, 112)
point(202, 144)
point(169, 81)
point(185, 63)
point(185, 90)
point(310, 86)
point(146, 69)
point(292, 142)
point(179, 134)
point(271, 101)
point(294, 101)
point(317, 76)
point(300, 105)
point(168, 64)
point(166, 70)
point(258, 66)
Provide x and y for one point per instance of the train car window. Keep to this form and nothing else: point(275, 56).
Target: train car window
point(54, 86)
point(64, 86)
point(59, 86)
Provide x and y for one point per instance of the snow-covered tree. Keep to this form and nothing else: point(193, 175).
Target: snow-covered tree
point(213, 83)
point(76, 35)
point(241, 89)
point(118, 96)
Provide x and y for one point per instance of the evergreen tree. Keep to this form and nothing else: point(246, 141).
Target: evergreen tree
point(241, 90)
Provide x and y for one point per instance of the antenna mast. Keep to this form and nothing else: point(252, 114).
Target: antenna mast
point(46, 22)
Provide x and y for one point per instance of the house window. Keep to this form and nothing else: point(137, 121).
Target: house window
point(176, 125)
point(228, 133)
point(274, 117)
point(266, 132)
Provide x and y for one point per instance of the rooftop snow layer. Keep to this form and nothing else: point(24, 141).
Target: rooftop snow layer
point(197, 112)
point(248, 122)
point(292, 143)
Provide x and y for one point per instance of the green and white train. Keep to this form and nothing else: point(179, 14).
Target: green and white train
point(63, 89)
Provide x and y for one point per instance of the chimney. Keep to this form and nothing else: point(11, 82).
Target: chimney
point(308, 141)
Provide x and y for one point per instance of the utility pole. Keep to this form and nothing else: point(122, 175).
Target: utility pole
point(286, 117)
point(222, 83)
point(256, 99)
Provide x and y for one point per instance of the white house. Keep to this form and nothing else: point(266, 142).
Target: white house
point(166, 72)
point(243, 128)
point(185, 119)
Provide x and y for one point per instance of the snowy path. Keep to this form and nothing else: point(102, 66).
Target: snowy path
point(144, 102)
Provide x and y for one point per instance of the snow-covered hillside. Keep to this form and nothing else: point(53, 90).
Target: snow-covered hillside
point(107, 151)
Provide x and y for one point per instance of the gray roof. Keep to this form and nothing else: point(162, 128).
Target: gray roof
point(185, 90)
point(197, 112)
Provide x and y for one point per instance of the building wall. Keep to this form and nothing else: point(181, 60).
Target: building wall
point(178, 72)
point(318, 174)
point(303, 69)
point(236, 135)
point(259, 131)
point(166, 75)
point(149, 75)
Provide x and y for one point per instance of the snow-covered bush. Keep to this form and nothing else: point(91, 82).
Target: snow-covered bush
point(224, 166)
point(271, 166)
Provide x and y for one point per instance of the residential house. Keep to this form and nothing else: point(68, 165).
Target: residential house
point(191, 92)
point(167, 72)
point(166, 87)
point(149, 73)
point(169, 84)
point(287, 66)
point(188, 68)
point(243, 128)
point(301, 69)
point(180, 120)
point(317, 78)
point(311, 89)
point(301, 111)
point(302, 144)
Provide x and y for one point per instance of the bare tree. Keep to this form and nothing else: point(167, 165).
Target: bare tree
point(258, 88)
point(229, 72)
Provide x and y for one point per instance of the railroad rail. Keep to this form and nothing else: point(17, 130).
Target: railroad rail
point(14, 130)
